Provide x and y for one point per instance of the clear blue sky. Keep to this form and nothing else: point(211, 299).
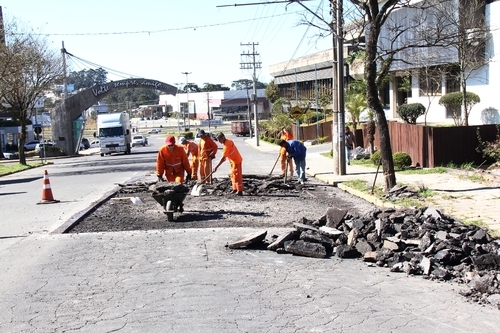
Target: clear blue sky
point(160, 39)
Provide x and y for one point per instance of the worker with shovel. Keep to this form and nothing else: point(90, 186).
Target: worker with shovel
point(285, 135)
point(172, 162)
point(296, 150)
point(191, 149)
point(207, 149)
point(231, 153)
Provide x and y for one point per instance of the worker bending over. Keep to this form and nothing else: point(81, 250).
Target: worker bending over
point(191, 149)
point(231, 153)
point(172, 162)
point(285, 135)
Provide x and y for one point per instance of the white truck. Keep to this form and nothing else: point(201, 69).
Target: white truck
point(113, 132)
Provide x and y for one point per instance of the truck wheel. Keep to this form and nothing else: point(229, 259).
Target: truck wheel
point(102, 155)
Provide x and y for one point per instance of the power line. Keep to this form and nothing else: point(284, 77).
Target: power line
point(149, 32)
point(92, 64)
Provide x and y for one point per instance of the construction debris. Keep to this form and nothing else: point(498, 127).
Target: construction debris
point(417, 242)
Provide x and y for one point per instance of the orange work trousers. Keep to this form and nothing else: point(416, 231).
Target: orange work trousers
point(205, 170)
point(236, 176)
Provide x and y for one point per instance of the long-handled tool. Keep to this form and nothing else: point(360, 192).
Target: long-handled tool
point(286, 170)
point(196, 191)
point(275, 164)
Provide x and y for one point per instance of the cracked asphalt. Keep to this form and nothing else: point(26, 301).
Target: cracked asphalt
point(187, 280)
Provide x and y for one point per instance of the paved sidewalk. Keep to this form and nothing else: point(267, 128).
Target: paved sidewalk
point(455, 193)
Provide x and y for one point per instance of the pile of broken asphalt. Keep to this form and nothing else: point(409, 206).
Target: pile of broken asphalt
point(416, 242)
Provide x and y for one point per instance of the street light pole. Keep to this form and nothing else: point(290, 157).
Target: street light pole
point(187, 98)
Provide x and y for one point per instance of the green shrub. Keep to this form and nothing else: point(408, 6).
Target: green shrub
point(489, 149)
point(272, 140)
point(375, 158)
point(188, 135)
point(401, 160)
point(322, 139)
point(410, 112)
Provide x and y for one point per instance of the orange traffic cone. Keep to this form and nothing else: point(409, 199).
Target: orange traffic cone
point(47, 196)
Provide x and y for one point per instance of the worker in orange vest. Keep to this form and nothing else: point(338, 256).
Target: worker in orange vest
point(191, 149)
point(231, 153)
point(285, 135)
point(172, 162)
point(207, 149)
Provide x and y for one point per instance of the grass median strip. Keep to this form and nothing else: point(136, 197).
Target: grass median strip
point(7, 169)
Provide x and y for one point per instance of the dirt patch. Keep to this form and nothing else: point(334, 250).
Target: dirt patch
point(267, 202)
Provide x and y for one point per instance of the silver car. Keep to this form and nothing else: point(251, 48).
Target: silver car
point(139, 140)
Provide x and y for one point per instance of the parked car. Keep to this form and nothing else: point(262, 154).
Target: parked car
point(154, 131)
point(31, 145)
point(86, 143)
point(94, 144)
point(139, 140)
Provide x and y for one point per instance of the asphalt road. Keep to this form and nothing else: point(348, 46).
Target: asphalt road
point(187, 280)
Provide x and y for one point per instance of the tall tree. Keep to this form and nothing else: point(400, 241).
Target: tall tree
point(272, 93)
point(393, 30)
point(28, 68)
point(207, 87)
point(244, 84)
point(87, 78)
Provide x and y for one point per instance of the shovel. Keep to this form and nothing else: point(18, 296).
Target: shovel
point(196, 191)
point(286, 171)
point(275, 164)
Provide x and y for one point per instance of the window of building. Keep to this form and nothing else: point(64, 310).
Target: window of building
point(452, 81)
point(429, 81)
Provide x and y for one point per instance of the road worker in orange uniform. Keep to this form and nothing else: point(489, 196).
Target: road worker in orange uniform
point(207, 149)
point(285, 135)
point(191, 149)
point(172, 162)
point(231, 153)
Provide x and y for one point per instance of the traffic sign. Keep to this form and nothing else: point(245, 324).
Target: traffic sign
point(296, 112)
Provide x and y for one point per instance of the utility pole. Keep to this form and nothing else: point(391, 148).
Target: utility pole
point(65, 89)
point(208, 111)
point(187, 98)
point(340, 80)
point(251, 63)
point(249, 115)
point(338, 135)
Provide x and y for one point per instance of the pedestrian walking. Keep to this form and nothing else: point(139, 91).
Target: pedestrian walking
point(296, 150)
point(191, 149)
point(285, 135)
point(350, 143)
point(207, 149)
point(172, 162)
point(231, 153)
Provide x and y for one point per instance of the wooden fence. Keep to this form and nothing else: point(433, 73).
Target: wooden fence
point(427, 146)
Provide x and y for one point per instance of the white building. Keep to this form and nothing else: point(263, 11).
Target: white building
point(231, 103)
point(303, 72)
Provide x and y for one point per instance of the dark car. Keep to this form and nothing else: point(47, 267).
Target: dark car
point(86, 143)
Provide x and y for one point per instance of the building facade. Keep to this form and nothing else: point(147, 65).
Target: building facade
point(225, 105)
point(307, 77)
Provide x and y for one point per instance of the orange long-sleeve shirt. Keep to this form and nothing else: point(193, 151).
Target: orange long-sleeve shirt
point(191, 148)
point(285, 136)
point(231, 152)
point(206, 147)
point(172, 164)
